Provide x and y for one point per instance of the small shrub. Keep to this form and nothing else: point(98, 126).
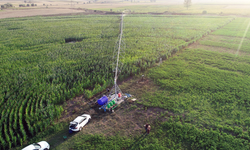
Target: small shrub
point(21, 5)
point(133, 107)
point(204, 12)
point(2, 6)
point(6, 6)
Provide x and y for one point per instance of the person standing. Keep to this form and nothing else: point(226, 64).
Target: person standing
point(146, 127)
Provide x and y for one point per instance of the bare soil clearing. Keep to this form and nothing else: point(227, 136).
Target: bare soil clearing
point(45, 8)
point(237, 7)
point(37, 12)
point(127, 120)
point(62, 7)
point(136, 87)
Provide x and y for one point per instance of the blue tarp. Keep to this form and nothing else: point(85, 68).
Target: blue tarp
point(128, 95)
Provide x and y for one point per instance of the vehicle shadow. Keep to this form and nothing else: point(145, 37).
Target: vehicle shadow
point(60, 137)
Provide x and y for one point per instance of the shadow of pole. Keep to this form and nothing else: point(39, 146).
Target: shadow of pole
point(137, 141)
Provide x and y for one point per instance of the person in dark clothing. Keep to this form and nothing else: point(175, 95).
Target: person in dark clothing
point(107, 91)
point(146, 127)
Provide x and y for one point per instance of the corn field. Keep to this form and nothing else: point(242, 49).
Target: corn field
point(45, 61)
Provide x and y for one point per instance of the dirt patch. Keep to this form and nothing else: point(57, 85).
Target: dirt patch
point(138, 86)
point(125, 120)
point(78, 106)
point(240, 7)
point(128, 119)
point(45, 8)
point(36, 12)
point(73, 107)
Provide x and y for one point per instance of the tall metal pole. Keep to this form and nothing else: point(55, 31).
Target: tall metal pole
point(119, 47)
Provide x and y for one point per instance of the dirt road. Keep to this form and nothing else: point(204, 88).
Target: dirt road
point(37, 12)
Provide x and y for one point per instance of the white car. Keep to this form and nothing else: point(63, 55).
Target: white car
point(43, 145)
point(79, 122)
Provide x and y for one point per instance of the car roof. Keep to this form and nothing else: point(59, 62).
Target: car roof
point(79, 119)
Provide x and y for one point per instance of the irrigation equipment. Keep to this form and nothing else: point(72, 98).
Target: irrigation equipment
point(115, 96)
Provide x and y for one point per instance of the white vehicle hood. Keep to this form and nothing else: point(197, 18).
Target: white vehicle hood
point(86, 115)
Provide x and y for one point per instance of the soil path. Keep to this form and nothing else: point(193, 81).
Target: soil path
point(37, 12)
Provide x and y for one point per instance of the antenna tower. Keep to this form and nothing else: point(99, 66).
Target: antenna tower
point(118, 53)
point(117, 67)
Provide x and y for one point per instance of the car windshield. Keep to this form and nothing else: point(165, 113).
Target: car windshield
point(84, 118)
point(37, 146)
point(73, 124)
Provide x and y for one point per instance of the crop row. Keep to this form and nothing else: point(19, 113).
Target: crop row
point(234, 36)
point(235, 29)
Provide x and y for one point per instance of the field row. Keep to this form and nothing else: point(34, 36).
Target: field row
point(233, 38)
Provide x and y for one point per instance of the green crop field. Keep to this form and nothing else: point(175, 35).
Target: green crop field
point(41, 68)
point(206, 91)
point(169, 135)
point(232, 37)
point(209, 87)
point(208, 94)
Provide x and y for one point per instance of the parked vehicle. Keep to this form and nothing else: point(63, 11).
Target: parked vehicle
point(43, 145)
point(79, 122)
